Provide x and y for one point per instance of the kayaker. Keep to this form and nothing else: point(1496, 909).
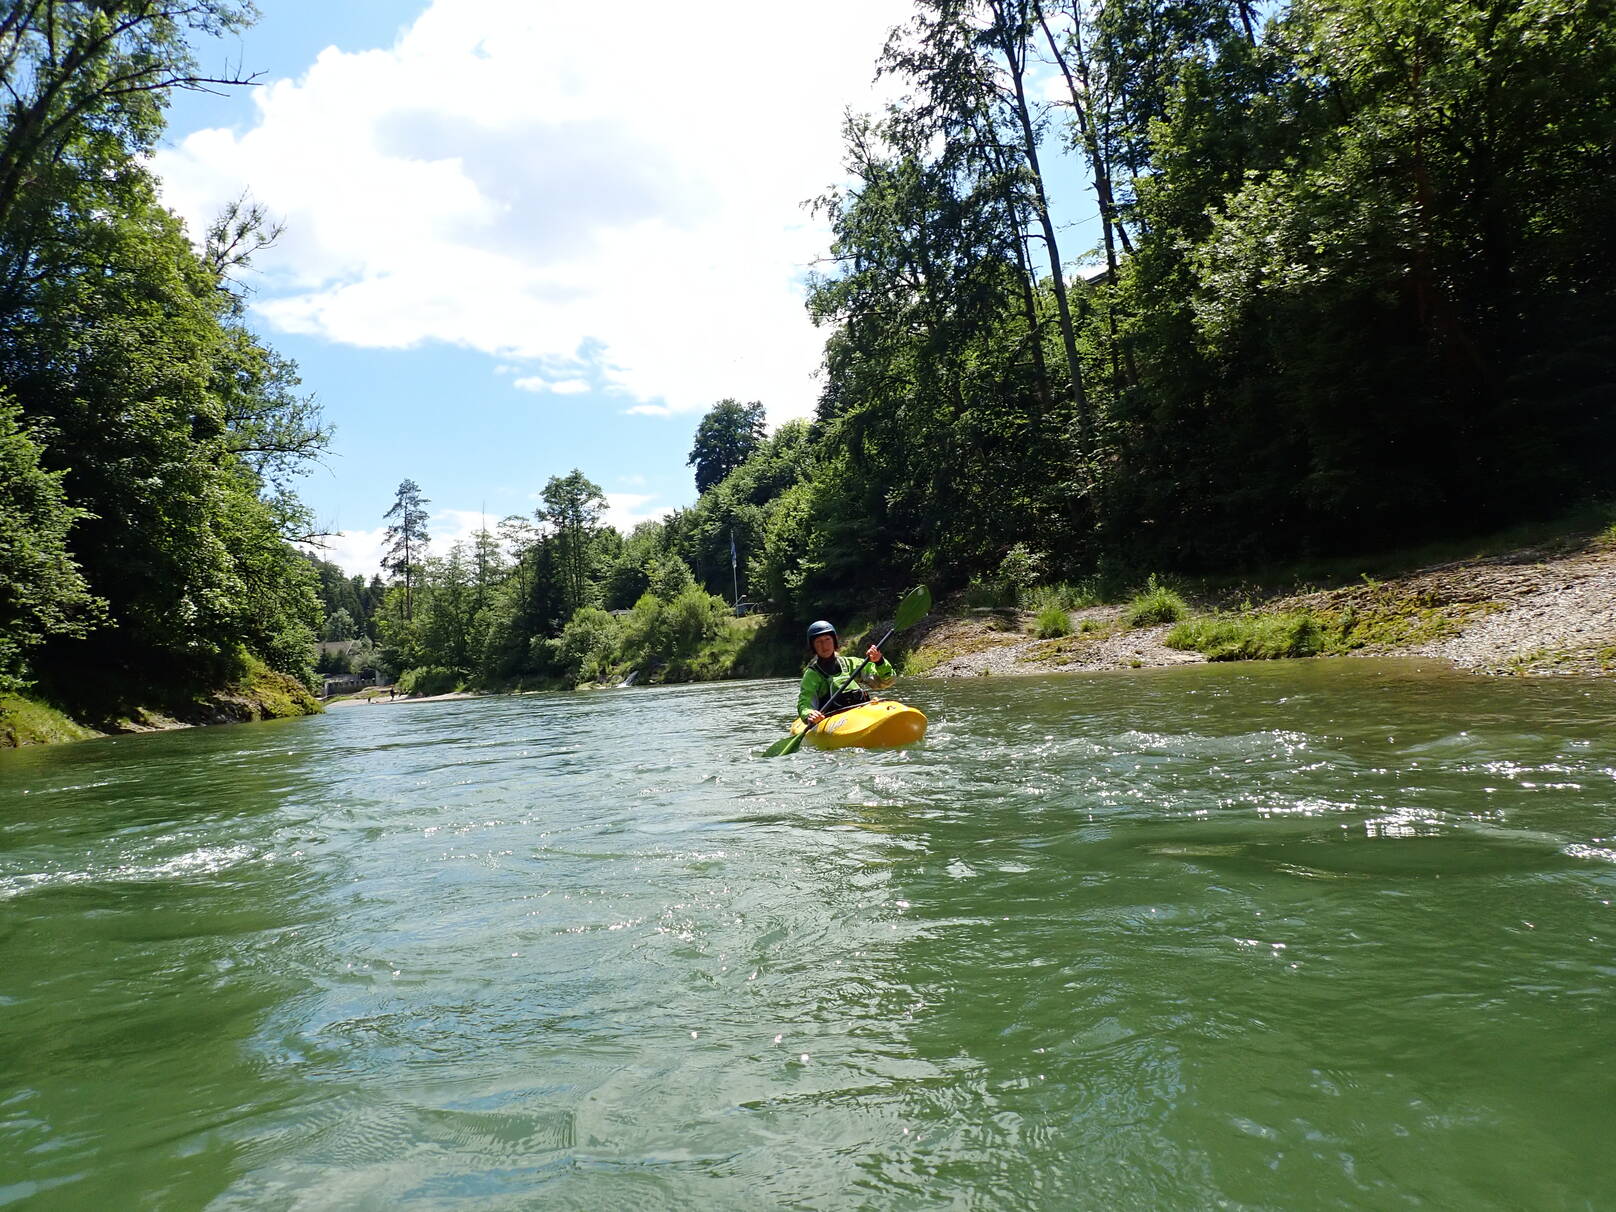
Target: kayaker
point(825, 665)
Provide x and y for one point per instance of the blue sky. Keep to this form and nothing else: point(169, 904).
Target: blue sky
point(521, 239)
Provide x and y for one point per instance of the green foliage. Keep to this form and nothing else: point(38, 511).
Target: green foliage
point(670, 578)
point(588, 644)
point(990, 595)
point(726, 438)
point(427, 680)
point(1053, 622)
point(270, 694)
point(407, 538)
point(573, 507)
point(671, 632)
point(42, 592)
point(339, 625)
point(1021, 569)
point(1065, 594)
point(1257, 637)
point(1156, 605)
point(169, 432)
point(26, 721)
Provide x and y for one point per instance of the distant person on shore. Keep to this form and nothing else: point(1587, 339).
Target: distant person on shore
point(826, 672)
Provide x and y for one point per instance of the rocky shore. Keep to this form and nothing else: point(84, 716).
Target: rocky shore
point(1530, 612)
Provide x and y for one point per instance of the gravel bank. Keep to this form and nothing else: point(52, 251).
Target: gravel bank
point(1530, 612)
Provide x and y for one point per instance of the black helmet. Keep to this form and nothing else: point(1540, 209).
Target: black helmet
point(815, 630)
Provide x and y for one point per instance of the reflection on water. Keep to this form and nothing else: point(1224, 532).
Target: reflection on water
point(1304, 934)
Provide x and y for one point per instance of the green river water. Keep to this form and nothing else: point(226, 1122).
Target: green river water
point(1298, 935)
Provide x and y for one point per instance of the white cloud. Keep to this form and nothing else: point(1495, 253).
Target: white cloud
point(522, 180)
point(359, 552)
point(626, 510)
point(560, 387)
point(356, 552)
point(450, 526)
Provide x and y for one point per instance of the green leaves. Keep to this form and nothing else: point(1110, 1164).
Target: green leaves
point(42, 591)
point(726, 437)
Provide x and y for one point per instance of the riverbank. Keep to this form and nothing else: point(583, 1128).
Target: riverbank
point(1542, 610)
point(260, 693)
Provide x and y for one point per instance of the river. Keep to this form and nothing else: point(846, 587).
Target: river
point(1304, 934)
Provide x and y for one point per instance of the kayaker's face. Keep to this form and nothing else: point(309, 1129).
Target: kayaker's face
point(824, 646)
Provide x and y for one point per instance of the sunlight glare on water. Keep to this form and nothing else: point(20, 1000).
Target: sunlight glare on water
point(1303, 934)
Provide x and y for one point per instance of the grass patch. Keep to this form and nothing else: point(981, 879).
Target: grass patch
point(1259, 637)
point(25, 721)
point(1053, 622)
point(990, 595)
point(1400, 623)
point(1158, 604)
point(1062, 647)
point(1065, 595)
point(1254, 636)
point(279, 695)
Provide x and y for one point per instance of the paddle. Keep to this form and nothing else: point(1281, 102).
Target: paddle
point(914, 607)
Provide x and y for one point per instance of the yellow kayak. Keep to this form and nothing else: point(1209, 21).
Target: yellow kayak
point(881, 725)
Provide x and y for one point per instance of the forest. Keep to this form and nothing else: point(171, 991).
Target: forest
point(1350, 291)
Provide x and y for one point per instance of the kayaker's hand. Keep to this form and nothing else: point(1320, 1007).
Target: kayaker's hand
point(874, 654)
point(813, 717)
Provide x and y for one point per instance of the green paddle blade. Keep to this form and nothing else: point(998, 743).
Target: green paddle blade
point(786, 745)
point(915, 606)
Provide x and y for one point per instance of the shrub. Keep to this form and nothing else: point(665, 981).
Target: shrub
point(1063, 594)
point(588, 644)
point(428, 680)
point(1020, 569)
point(1053, 622)
point(673, 631)
point(1262, 637)
point(990, 595)
point(1157, 604)
point(671, 577)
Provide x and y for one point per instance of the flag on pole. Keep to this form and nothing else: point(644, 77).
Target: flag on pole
point(732, 547)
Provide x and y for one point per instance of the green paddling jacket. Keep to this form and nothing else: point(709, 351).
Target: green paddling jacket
point(816, 682)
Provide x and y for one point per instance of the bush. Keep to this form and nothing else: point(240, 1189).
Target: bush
point(1262, 637)
point(1020, 568)
point(1157, 604)
point(1053, 622)
point(991, 595)
point(673, 631)
point(428, 680)
point(1063, 594)
point(588, 644)
point(671, 578)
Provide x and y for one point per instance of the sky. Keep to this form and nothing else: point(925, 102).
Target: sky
point(522, 238)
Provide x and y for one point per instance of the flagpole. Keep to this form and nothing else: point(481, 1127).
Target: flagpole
point(734, 576)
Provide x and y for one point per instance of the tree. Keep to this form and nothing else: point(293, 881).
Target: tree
point(727, 435)
point(339, 626)
point(407, 539)
point(573, 508)
point(42, 591)
point(78, 68)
